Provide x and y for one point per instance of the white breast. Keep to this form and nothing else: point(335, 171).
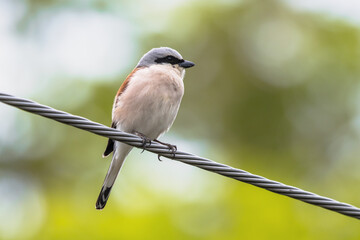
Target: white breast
point(151, 101)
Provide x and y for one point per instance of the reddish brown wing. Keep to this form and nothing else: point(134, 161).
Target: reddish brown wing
point(110, 145)
point(124, 85)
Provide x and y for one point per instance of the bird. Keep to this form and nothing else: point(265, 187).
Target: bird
point(146, 104)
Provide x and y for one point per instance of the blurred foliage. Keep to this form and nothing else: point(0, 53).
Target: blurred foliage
point(274, 92)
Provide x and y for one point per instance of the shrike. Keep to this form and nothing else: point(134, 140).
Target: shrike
point(146, 104)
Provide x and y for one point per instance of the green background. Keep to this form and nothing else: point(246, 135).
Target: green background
point(275, 92)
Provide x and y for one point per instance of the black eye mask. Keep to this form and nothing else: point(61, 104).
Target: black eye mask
point(169, 59)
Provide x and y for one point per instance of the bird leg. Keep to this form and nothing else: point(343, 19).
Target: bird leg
point(173, 148)
point(145, 140)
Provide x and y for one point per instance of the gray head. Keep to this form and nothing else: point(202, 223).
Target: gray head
point(163, 55)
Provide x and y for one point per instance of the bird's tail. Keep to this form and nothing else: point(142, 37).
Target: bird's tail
point(120, 153)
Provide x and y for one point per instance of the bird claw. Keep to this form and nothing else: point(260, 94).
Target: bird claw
point(171, 147)
point(145, 141)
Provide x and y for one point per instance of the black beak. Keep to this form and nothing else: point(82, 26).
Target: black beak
point(186, 64)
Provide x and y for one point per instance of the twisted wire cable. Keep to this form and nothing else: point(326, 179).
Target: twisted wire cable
point(188, 158)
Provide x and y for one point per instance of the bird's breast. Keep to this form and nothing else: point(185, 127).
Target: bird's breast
point(151, 100)
point(162, 84)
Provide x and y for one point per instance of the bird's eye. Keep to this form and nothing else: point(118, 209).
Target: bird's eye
point(169, 58)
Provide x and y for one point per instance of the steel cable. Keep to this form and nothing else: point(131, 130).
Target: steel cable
point(187, 158)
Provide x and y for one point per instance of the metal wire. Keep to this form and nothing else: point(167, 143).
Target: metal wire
point(188, 158)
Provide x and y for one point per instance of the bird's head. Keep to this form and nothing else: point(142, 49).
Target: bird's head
point(164, 55)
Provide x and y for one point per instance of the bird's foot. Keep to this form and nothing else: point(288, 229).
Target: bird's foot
point(145, 140)
point(173, 148)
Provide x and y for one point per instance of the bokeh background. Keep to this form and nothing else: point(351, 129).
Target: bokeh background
point(275, 91)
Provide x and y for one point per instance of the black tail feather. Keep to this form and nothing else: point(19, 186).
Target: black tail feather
point(103, 197)
point(110, 145)
point(109, 148)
